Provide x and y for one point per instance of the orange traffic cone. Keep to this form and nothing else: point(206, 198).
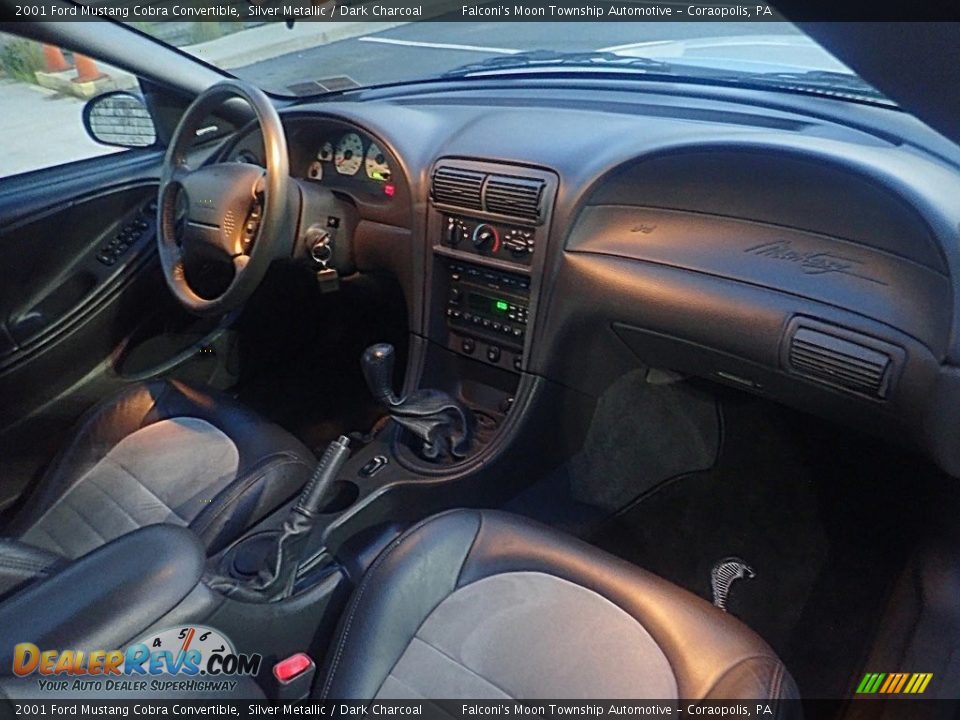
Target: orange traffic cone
point(86, 69)
point(53, 59)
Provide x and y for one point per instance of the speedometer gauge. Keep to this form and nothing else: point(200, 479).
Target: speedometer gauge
point(349, 155)
point(376, 164)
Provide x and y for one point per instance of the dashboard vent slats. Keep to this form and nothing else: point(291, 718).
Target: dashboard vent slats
point(453, 186)
point(838, 362)
point(512, 196)
point(517, 197)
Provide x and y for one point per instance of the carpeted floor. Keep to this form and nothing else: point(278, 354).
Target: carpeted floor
point(641, 435)
point(816, 510)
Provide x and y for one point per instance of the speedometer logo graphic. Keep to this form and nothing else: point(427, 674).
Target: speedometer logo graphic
point(189, 650)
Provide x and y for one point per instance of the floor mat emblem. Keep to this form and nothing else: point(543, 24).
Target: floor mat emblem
point(722, 576)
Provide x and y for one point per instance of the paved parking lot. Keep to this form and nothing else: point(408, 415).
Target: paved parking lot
point(429, 48)
point(41, 128)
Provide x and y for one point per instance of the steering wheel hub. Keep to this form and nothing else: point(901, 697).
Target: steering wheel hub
point(228, 213)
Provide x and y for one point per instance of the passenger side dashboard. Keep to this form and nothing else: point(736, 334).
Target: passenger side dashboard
point(800, 248)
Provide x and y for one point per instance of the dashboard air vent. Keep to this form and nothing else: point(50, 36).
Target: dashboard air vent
point(838, 362)
point(455, 186)
point(470, 185)
point(513, 196)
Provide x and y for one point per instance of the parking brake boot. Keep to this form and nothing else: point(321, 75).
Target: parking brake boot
point(276, 579)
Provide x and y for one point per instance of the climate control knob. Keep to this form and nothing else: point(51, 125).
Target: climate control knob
point(485, 237)
point(456, 232)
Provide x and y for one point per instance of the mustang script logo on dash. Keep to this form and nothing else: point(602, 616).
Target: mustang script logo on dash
point(810, 262)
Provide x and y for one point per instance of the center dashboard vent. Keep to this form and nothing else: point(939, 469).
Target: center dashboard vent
point(517, 197)
point(461, 188)
point(840, 362)
point(508, 195)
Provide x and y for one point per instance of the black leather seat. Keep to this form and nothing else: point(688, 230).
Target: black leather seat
point(160, 452)
point(482, 604)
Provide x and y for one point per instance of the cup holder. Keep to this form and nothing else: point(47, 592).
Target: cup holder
point(344, 494)
point(244, 560)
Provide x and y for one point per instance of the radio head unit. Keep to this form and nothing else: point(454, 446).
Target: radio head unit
point(487, 313)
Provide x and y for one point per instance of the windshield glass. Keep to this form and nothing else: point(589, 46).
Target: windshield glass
point(313, 57)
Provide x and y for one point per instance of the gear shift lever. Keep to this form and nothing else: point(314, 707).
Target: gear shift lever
point(377, 364)
point(444, 425)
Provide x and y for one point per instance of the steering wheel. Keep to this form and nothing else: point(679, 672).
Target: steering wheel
point(226, 213)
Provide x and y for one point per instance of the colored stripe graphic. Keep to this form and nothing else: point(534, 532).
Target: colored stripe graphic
point(870, 683)
point(918, 683)
point(894, 683)
point(901, 683)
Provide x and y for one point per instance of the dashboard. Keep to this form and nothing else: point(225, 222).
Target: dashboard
point(799, 248)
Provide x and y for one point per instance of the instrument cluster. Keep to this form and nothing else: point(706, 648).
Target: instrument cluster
point(350, 155)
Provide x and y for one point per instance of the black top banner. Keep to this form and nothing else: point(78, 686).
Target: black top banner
point(478, 10)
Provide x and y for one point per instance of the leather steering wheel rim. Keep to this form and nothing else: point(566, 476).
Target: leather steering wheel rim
point(221, 221)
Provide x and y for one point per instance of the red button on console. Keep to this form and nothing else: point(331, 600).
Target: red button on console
point(291, 667)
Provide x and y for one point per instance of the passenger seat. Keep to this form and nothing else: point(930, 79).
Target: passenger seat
point(487, 605)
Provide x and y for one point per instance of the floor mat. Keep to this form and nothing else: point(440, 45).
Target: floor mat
point(814, 509)
point(640, 436)
point(757, 503)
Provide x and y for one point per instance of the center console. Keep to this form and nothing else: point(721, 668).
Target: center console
point(488, 226)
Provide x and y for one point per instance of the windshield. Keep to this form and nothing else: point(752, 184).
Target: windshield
point(313, 57)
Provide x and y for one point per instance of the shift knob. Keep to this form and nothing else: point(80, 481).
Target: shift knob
point(377, 363)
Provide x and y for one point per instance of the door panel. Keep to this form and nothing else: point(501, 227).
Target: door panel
point(78, 271)
point(59, 264)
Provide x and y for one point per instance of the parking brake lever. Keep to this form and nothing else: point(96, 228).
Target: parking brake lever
point(277, 578)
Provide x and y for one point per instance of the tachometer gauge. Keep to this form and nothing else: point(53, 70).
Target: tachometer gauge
point(326, 152)
point(349, 155)
point(315, 170)
point(376, 163)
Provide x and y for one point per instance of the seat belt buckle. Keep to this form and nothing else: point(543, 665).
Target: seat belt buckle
point(293, 677)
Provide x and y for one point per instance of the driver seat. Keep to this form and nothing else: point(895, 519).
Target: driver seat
point(159, 452)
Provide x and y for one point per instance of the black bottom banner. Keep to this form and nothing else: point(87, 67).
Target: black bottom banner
point(905, 709)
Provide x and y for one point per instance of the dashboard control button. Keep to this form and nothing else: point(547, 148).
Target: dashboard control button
point(493, 354)
point(468, 345)
point(374, 465)
point(518, 363)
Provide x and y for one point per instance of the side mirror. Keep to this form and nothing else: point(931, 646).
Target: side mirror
point(121, 119)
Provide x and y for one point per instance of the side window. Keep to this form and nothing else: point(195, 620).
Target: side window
point(60, 107)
